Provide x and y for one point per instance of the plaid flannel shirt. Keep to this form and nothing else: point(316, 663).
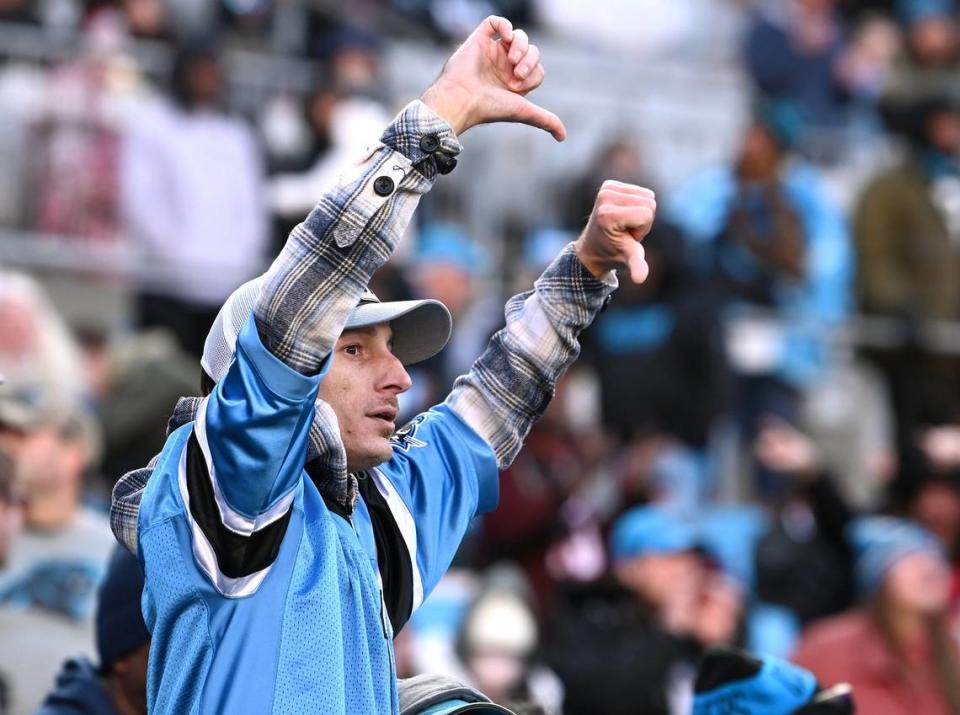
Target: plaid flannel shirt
point(510, 385)
point(328, 260)
point(319, 276)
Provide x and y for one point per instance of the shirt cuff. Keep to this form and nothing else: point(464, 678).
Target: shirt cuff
point(568, 280)
point(418, 133)
point(278, 377)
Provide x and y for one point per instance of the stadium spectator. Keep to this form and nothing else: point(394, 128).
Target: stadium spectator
point(656, 343)
point(549, 522)
point(47, 588)
point(906, 661)
point(499, 642)
point(135, 378)
point(776, 248)
point(926, 489)
point(484, 81)
point(22, 11)
point(192, 195)
point(449, 265)
point(77, 137)
point(630, 645)
point(803, 562)
point(908, 267)
point(794, 52)
point(117, 685)
point(340, 125)
point(620, 159)
point(928, 64)
point(147, 19)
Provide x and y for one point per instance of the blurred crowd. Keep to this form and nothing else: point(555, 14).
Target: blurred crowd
point(759, 446)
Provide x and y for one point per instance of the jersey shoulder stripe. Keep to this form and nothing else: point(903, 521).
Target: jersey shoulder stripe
point(221, 551)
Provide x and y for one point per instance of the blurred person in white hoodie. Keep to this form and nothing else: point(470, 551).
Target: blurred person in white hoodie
point(191, 185)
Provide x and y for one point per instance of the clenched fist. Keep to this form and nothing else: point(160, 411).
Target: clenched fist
point(622, 216)
point(487, 79)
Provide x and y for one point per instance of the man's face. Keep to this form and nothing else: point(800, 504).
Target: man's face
point(45, 461)
point(362, 386)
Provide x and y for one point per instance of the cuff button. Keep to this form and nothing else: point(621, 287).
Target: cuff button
point(445, 164)
point(383, 186)
point(429, 143)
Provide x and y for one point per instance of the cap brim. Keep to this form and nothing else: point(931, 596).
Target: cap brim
point(24, 406)
point(420, 327)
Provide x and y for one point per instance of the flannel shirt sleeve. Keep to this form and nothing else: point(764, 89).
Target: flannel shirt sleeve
point(511, 384)
point(328, 260)
point(125, 505)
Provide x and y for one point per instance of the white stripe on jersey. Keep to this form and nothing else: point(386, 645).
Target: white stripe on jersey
point(234, 521)
point(408, 530)
point(204, 554)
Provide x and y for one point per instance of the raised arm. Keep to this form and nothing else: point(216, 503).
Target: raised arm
point(512, 383)
point(446, 462)
point(328, 260)
point(250, 435)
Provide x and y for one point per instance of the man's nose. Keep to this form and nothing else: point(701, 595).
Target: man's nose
point(397, 380)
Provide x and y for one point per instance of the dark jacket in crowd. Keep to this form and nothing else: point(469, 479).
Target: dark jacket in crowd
point(907, 264)
point(611, 655)
point(807, 565)
point(79, 691)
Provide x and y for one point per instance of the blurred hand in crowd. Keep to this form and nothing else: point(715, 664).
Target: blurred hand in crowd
point(785, 449)
point(942, 447)
point(487, 79)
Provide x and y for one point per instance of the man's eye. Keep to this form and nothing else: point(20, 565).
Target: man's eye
point(352, 349)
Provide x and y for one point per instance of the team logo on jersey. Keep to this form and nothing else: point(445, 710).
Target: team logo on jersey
point(405, 438)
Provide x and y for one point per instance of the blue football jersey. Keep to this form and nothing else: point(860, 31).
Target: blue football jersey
point(260, 596)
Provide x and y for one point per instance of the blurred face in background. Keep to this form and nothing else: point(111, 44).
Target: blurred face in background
point(446, 282)
point(933, 41)
point(499, 636)
point(355, 68)
point(204, 82)
point(937, 507)
point(759, 155)
point(943, 130)
point(918, 584)
point(660, 579)
point(719, 610)
point(147, 18)
point(45, 459)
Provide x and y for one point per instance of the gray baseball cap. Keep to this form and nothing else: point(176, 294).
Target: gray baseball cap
point(420, 327)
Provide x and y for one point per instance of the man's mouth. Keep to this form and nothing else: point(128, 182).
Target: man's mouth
point(386, 415)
